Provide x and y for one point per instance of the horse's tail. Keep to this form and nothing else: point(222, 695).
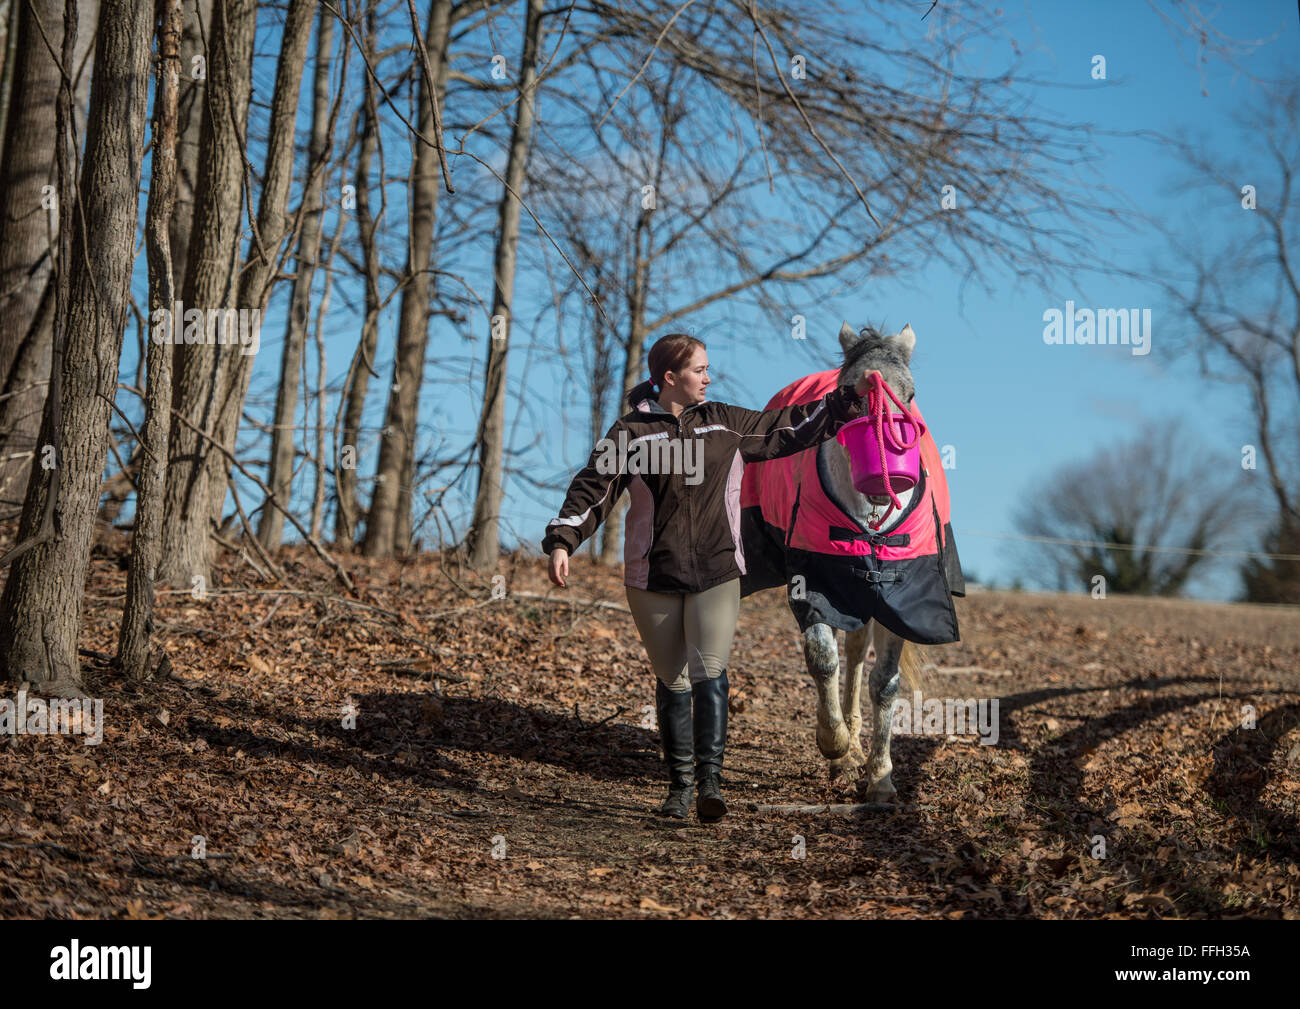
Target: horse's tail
point(909, 668)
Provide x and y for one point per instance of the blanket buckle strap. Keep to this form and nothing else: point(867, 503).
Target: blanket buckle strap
point(842, 534)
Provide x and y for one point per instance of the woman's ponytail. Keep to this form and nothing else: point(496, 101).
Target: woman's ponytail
point(646, 390)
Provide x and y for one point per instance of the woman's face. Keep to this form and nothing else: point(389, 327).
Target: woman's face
point(691, 382)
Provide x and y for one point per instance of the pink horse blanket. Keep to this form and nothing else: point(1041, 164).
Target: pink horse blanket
point(837, 571)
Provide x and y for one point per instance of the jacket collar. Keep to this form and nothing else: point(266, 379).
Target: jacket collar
point(651, 406)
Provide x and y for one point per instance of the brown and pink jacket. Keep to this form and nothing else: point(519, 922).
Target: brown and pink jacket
point(683, 526)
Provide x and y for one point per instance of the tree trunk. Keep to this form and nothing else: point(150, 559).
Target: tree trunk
point(27, 219)
point(40, 610)
point(280, 477)
point(363, 360)
point(322, 374)
point(604, 340)
point(485, 532)
point(633, 370)
point(146, 546)
point(198, 22)
point(398, 442)
point(9, 10)
point(209, 284)
point(322, 388)
point(262, 263)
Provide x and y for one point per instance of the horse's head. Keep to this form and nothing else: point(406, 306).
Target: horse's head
point(867, 351)
point(864, 352)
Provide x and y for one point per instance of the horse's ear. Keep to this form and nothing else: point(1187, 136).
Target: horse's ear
point(907, 340)
point(848, 336)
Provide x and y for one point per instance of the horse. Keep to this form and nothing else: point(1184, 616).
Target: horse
point(804, 525)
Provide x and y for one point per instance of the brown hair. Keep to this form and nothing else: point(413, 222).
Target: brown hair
point(672, 352)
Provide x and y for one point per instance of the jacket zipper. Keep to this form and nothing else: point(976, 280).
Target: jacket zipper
point(690, 503)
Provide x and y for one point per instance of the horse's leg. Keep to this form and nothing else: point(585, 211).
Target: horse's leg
point(883, 690)
point(822, 657)
point(856, 644)
point(855, 647)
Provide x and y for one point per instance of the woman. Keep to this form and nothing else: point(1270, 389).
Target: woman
point(681, 457)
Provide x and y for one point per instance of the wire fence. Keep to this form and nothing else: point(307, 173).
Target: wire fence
point(1130, 546)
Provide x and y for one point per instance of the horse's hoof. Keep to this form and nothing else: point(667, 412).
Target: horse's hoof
point(882, 791)
point(845, 769)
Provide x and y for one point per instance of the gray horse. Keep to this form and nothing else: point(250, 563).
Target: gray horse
point(796, 515)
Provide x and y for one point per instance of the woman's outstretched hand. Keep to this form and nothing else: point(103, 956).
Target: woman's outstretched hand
point(559, 566)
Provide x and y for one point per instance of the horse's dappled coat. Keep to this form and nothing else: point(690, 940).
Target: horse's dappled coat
point(903, 578)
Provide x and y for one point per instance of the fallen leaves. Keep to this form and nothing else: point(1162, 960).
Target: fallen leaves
point(506, 731)
point(1158, 901)
point(135, 911)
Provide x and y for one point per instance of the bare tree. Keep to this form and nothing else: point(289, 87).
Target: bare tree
point(268, 246)
point(28, 218)
point(484, 532)
point(40, 610)
point(390, 503)
point(1239, 304)
point(9, 12)
point(194, 76)
point(210, 284)
point(146, 545)
point(321, 470)
point(355, 385)
point(1163, 503)
point(280, 475)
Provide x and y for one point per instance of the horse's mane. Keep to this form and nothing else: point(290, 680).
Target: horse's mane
point(873, 340)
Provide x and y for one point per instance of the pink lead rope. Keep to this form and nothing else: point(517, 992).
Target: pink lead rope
point(881, 416)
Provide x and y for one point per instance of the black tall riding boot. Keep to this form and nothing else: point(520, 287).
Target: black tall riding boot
point(710, 744)
point(673, 709)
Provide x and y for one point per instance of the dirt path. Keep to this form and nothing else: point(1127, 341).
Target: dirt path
point(499, 766)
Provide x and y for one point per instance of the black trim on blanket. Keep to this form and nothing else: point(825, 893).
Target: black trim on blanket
point(907, 597)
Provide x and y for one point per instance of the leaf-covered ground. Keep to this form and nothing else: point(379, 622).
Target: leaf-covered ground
point(503, 763)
